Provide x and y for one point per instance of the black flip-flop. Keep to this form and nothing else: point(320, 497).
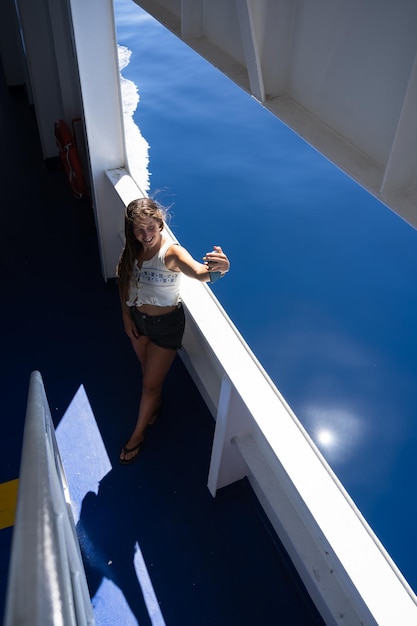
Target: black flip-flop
point(126, 450)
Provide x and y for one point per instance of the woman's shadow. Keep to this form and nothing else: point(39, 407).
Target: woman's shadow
point(109, 534)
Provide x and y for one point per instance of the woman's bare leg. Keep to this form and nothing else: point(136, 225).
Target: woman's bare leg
point(139, 346)
point(156, 363)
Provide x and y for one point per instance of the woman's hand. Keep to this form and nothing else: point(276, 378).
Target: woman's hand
point(178, 259)
point(130, 327)
point(217, 261)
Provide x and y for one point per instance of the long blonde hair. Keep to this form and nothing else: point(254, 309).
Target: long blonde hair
point(137, 210)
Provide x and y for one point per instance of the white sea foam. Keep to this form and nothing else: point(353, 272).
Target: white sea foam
point(137, 148)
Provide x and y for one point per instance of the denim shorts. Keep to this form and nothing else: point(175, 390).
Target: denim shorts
point(164, 330)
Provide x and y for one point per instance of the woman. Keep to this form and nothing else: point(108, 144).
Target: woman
point(149, 284)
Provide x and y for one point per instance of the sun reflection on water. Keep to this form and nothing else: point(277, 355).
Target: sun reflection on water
point(336, 432)
point(325, 438)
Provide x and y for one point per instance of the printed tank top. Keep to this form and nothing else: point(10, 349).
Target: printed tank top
point(153, 283)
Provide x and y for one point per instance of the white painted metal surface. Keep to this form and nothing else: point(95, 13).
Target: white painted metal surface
point(343, 75)
point(96, 50)
point(47, 583)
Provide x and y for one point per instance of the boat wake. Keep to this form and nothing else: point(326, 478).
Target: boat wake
point(137, 148)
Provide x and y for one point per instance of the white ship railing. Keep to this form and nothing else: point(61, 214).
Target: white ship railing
point(47, 584)
point(346, 570)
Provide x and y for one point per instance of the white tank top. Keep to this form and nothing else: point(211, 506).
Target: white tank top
point(153, 283)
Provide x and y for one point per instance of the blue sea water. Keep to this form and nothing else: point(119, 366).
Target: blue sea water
point(322, 285)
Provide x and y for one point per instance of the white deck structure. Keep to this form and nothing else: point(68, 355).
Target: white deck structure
point(344, 76)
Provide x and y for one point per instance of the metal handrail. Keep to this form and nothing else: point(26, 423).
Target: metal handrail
point(47, 583)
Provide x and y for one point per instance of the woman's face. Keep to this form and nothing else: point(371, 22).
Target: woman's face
point(147, 231)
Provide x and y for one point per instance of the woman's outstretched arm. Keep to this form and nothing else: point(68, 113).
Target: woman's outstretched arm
point(179, 259)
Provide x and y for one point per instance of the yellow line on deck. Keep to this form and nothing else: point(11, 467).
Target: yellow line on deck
point(8, 501)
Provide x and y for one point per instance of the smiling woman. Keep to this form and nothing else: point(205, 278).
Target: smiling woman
point(149, 273)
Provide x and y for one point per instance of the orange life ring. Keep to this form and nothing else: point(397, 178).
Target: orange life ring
point(70, 159)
